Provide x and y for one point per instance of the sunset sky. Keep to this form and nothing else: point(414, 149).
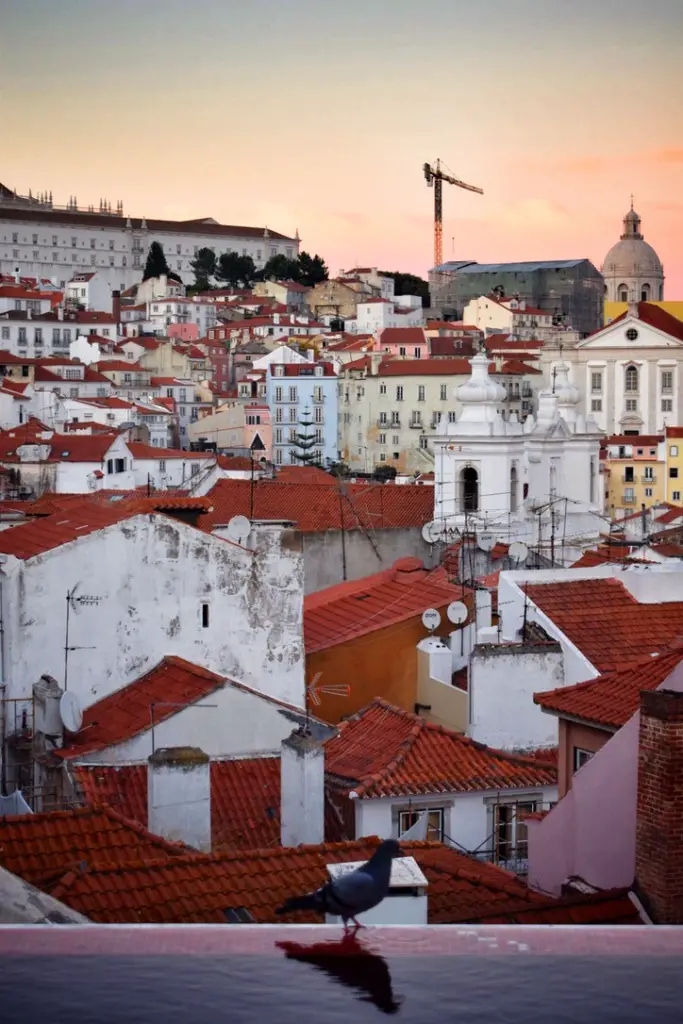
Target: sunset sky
point(318, 115)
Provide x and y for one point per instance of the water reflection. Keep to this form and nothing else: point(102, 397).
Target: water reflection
point(352, 964)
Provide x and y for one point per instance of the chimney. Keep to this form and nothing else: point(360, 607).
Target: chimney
point(179, 796)
point(60, 312)
point(659, 807)
point(302, 787)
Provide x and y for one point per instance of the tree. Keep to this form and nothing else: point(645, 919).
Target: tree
point(409, 284)
point(236, 270)
point(305, 441)
point(312, 270)
point(204, 268)
point(156, 264)
point(279, 268)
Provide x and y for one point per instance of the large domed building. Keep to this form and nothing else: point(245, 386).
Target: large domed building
point(632, 269)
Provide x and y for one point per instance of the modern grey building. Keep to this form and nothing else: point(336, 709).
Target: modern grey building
point(572, 290)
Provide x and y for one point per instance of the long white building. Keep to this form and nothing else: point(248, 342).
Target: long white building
point(43, 240)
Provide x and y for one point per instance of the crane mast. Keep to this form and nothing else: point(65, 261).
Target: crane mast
point(435, 178)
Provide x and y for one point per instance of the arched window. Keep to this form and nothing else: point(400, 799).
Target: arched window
point(469, 479)
point(661, 292)
point(631, 382)
point(513, 489)
point(622, 293)
point(645, 293)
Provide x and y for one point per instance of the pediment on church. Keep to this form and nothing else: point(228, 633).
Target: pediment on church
point(630, 334)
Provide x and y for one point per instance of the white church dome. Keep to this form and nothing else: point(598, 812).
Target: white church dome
point(632, 265)
point(480, 387)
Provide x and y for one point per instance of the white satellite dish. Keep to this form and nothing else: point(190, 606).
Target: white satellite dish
point(70, 712)
point(456, 612)
point(238, 529)
point(431, 532)
point(518, 551)
point(485, 541)
point(431, 619)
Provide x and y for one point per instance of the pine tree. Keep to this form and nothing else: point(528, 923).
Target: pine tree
point(305, 441)
point(156, 264)
point(204, 268)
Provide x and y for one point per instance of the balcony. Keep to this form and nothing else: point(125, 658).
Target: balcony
point(648, 480)
point(626, 479)
point(415, 424)
point(382, 424)
point(628, 499)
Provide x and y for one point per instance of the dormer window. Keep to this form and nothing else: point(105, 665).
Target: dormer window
point(279, 371)
point(318, 371)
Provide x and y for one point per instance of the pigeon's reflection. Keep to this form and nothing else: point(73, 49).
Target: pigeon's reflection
point(350, 963)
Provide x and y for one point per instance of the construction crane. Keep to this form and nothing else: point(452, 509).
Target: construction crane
point(434, 176)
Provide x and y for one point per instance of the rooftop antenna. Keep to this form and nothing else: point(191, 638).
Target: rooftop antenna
point(75, 603)
point(431, 619)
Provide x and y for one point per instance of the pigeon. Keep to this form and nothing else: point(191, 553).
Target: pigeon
point(351, 894)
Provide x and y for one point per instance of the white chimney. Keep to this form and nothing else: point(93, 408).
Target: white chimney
point(439, 658)
point(407, 899)
point(60, 312)
point(482, 600)
point(302, 788)
point(179, 796)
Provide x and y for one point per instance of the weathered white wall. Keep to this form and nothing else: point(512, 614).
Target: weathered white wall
point(153, 574)
point(502, 682)
point(324, 554)
point(302, 788)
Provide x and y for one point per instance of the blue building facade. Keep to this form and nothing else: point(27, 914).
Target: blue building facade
point(303, 391)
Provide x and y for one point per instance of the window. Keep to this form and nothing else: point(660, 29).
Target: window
point(74, 241)
point(318, 414)
point(632, 334)
point(402, 350)
point(5, 334)
point(67, 335)
point(382, 439)
point(628, 474)
point(119, 465)
point(648, 492)
point(22, 335)
point(676, 496)
point(292, 394)
point(667, 405)
point(15, 238)
point(649, 473)
point(435, 822)
point(629, 496)
point(382, 456)
point(273, 250)
point(423, 442)
point(673, 473)
point(443, 392)
point(278, 435)
point(35, 239)
point(452, 416)
point(292, 414)
point(631, 379)
point(194, 469)
point(383, 418)
point(596, 380)
point(36, 254)
point(399, 393)
point(417, 352)
point(395, 419)
point(667, 382)
point(110, 465)
point(469, 485)
point(38, 335)
point(513, 489)
point(596, 405)
point(73, 392)
point(580, 757)
point(382, 389)
point(510, 841)
point(278, 456)
point(420, 393)
point(631, 405)
point(181, 410)
point(673, 450)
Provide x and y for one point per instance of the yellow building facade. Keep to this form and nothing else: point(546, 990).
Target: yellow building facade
point(615, 309)
point(634, 471)
point(674, 465)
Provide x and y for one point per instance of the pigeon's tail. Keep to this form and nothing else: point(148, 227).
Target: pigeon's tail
point(311, 901)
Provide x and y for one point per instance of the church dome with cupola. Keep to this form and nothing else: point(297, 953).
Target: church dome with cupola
point(632, 269)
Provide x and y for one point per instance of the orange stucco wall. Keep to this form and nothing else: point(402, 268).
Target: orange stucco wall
point(379, 664)
point(570, 735)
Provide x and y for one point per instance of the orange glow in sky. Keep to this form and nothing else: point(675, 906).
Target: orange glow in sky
point(318, 116)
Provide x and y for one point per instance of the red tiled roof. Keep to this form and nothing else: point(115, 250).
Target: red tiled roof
point(41, 848)
point(119, 364)
point(301, 369)
point(656, 317)
point(613, 697)
point(140, 450)
point(196, 889)
point(126, 712)
point(245, 798)
point(315, 508)
point(446, 348)
point(346, 611)
point(384, 751)
point(402, 336)
point(668, 550)
point(64, 523)
point(19, 387)
point(305, 475)
point(609, 907)
point(607, 624)
point(235, 462)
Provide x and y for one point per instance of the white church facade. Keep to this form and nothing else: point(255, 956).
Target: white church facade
point(535, 482)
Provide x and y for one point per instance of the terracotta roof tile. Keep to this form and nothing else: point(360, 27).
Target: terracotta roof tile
point(41, 848)
point(316, 508)
point(384, 751)
point(613, 697)
point(346, 611)
point(245, 798)
point(607, 624)
point(306, 475)
point(63, 526)
point(126, 712)
point(609, 907)
point(200, 889)
point(402, 336)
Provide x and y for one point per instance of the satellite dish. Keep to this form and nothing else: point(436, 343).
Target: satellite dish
point(456, 612)
point(485, 541)
point(431, 532)
point(239, 529)
point(431, 619)
point(70, 712)
point(518, 551)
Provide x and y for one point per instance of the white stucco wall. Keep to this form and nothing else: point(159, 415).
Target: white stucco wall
point(179, 799)
point(502, 682)
point(227, 723)
point(152, 575)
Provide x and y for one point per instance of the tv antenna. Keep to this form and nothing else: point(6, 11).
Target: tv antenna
point(431, 619)
point(456, 612)
point(75, 603)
